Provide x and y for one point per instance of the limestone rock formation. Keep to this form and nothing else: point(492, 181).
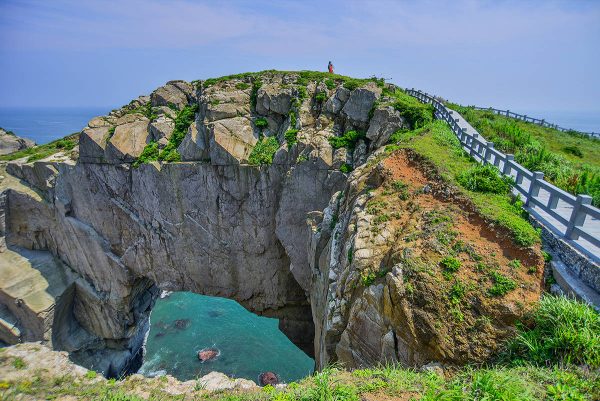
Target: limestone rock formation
point(10, 143)
point(294, 239)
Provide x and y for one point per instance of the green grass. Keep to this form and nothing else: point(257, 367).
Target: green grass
point(437, 143)
point(263, 151)
point(560, 330)
point(569, 160)
point(42, 151)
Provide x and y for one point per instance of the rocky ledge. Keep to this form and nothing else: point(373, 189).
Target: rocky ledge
point(10, 143)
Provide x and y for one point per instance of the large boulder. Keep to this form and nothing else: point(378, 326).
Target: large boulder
point(356, 109)
point(231, 140)
point(177, 93)
point(195, 144)
point(128, 142)
point(273, 99)
point(335, 103)
point(92, 144)
point(161, 128)
point(385, 121)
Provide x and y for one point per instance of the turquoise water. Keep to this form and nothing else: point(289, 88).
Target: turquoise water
point(248, 344)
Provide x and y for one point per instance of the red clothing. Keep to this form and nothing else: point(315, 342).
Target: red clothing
point(330, 66)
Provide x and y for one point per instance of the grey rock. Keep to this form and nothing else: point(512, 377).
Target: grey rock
point(385, 122)
point(10, 143)
point(176, 93)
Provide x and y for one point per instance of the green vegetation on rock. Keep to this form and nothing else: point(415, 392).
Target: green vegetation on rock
point(348, 140)
point(263, 151)
point(291, 137)
point(485, 179)
point(183, 120)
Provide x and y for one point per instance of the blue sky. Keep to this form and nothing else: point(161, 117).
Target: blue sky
point(524, 55)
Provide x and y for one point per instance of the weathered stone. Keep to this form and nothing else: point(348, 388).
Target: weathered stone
point(231, 140)
point(273, 99)
point(92, 144)
point(161, 128)
point(195, 144)
point(335, 103)
point(127, 142)
point(176, 93)
point(215, 381)
point(357, 108)
point(384, 123)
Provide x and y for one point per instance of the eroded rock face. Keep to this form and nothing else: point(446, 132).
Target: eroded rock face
point(281, 239)
point(379, 293)
point(10, 143)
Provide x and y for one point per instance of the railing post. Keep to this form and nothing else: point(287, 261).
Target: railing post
point(507, 113)
point(486, 155)
point(534, 187)
point(473, 144)
point(507, 168)
point(577, 216)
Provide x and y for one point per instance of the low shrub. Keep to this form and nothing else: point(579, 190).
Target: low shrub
point(352, 84)
point(450, 264)
point(348, 140)
point(486, 179)
point(501, 286)
point(320, 97)
point(261, 123)
point(330, 83)
point(574, 150)
point(263, 151)
point(242, 85)
point(291, 137)
point(346, 168)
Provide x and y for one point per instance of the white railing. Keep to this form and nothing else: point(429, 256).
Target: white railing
point(571, 217)
point(526, 118)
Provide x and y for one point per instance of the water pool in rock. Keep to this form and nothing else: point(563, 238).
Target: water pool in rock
point(184, 323)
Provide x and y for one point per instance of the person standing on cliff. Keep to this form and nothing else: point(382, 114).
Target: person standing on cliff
point(330, 67)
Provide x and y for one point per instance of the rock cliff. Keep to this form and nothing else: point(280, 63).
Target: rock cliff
point(166, 194)
point(10, 143)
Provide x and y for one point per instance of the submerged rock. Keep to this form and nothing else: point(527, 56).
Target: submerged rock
point(267, 378)
point(181, 324)
point(214, 313)
point(208, 354)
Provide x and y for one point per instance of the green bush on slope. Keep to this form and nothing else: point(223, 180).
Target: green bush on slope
point(561, 331)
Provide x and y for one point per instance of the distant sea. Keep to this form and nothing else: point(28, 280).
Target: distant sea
point(44, 125)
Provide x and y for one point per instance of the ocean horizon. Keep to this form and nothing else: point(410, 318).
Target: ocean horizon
point(46, 124)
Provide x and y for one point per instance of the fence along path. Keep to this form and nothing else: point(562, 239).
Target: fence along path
point(571, 217)
point(542, 122)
